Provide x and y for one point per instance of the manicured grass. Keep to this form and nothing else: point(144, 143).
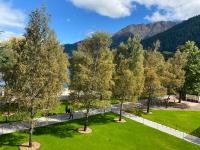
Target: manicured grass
point(187, 121)
point(106, 135)
point(59, 110)
point(13, 118)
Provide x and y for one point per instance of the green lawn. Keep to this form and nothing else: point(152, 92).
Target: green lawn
point(106, 135)
point(187, 121)
point(60, 109)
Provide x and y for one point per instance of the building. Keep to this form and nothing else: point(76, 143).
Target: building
point(193, 98)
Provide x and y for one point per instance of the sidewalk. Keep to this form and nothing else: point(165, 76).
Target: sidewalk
point(44, 121)
point(160, 127)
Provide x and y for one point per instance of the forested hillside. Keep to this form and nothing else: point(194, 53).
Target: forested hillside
point(142, 30)
point(177, 35)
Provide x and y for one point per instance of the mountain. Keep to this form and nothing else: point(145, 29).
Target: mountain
point(177, 35)
point(142, 30)
point(68, 48)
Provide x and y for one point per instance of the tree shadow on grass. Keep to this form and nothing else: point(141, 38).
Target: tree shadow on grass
point(196, 132)
point(99, 119)
point(69, 128)
point(61, 130)
point(12, 139)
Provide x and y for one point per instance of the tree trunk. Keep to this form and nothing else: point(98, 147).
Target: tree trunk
point(148, 105)
point(180, 97)
point(166, 101)
point(86, 120)
point(104, 108)
point(31, 128)
point(8, 112)
point(120, 111)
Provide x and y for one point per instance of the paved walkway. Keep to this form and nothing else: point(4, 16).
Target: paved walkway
point(163, 128)
point(44, 121)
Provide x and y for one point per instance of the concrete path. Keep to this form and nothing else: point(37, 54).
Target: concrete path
point(171, 131)
point(44, 121)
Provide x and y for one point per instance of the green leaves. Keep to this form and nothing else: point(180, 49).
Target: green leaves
point(92, 70)
point(7, 58)
point(193, 72)
point(40, 70)
point(129, 76)
point(155, 73)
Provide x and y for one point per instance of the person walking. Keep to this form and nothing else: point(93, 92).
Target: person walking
point(71, 115)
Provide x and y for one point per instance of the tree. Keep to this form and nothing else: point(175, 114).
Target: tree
point(190, 50)
point(192, 68)
point(137, 65)
point(7, 63)
point(41, 68)
point(129, 76)
point(193, 74)
point(152, 87)
point(156, 45)
point(6, 58)
point(92, 70)
point(155, 69)
point(176, 67)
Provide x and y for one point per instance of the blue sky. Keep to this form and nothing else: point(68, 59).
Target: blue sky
point(73, 20)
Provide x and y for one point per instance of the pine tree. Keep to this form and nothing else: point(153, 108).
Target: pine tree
point(190, 50)
point(192, 83)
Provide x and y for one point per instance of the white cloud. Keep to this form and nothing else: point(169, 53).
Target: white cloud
point(89, 34)
point(10, 17)
point(6, 35)
point(109, 8)
point(171, 9)
point(164, 9)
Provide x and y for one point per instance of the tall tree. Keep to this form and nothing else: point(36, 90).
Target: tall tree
point(192, 68)
point(129, 76)
point(152, 87)
point(176, 71)
point(7, 63)
point(137, 65)
point(41, 69)
point(92, 70)
point(191, 51)
point(155, 70)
